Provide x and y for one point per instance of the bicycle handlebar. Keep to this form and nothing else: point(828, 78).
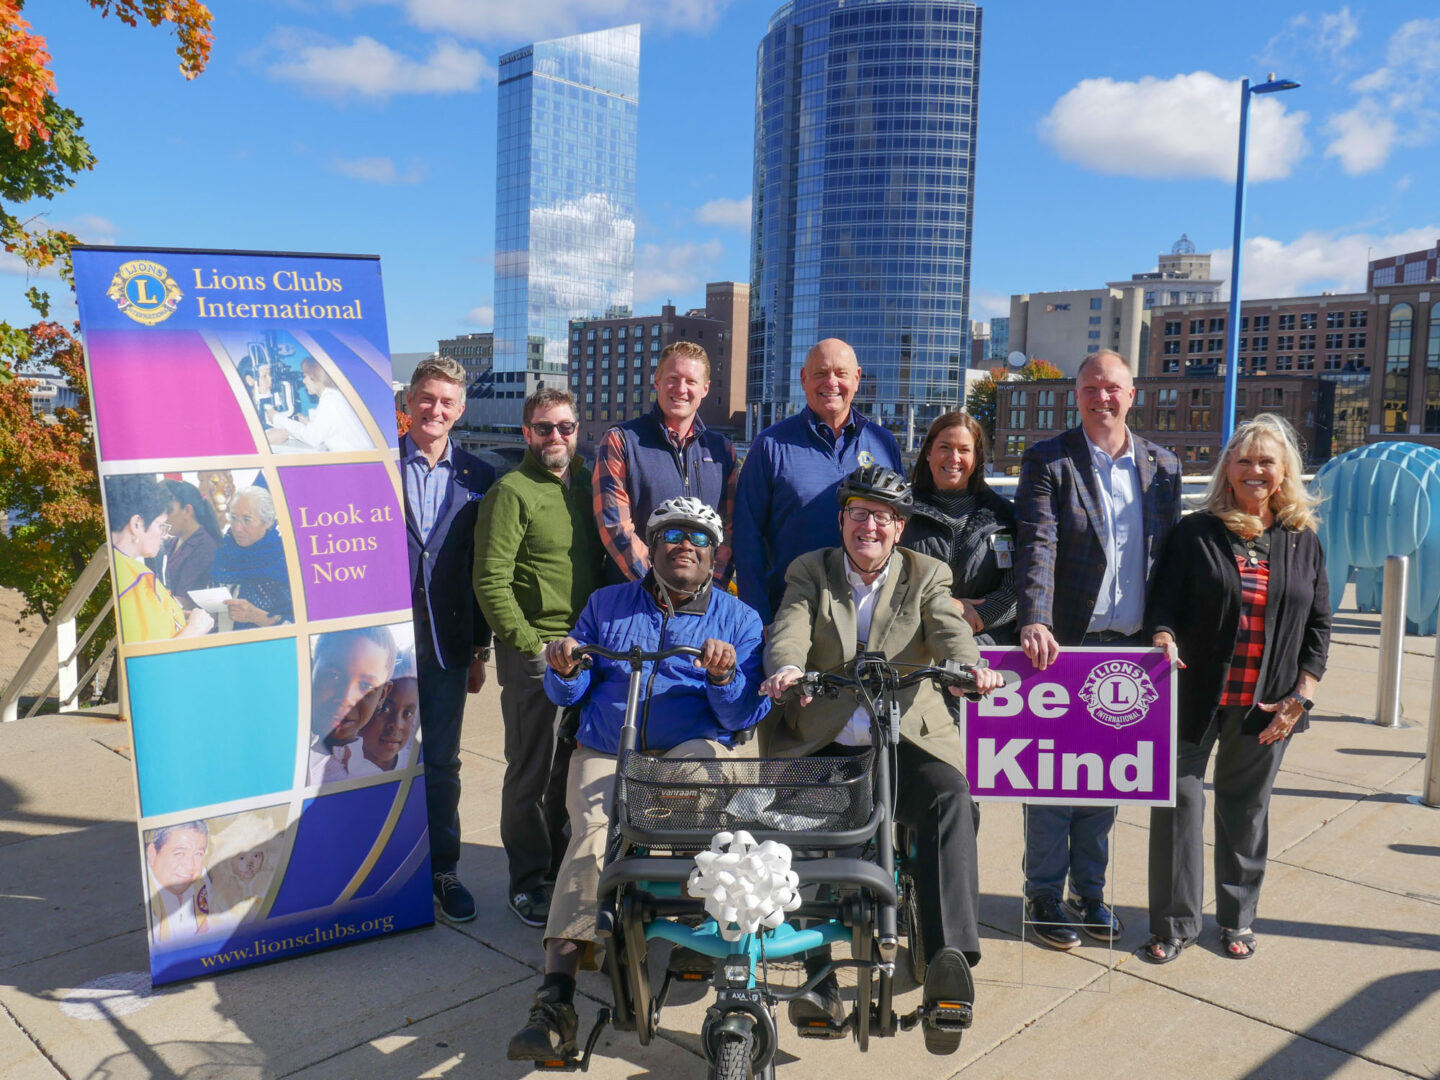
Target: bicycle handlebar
point(949, 673)
point(634, 656)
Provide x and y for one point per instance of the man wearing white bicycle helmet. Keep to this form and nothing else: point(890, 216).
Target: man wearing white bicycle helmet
point(867, 595)
point(694, 708)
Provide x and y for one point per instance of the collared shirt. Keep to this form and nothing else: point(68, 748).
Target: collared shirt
point(1120, 606)
point(177, 913)
point(856, 731)
point(427, 487)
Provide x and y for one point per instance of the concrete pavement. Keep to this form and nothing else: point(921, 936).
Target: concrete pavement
point(1346, 981)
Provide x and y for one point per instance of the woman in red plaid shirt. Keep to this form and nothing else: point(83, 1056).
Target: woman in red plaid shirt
point(1241, 604)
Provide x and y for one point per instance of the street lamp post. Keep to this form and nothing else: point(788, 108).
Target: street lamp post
point(1232, 327)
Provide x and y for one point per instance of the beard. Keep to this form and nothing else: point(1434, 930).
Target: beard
point(555, 457)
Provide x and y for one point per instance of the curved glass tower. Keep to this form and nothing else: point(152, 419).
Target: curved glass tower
point(865, 120)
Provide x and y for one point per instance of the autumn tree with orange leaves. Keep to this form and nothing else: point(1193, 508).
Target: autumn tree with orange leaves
point(48, 486)
point(981, 401)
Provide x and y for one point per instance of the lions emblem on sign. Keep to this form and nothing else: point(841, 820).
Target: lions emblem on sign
point(145, 291)
point(1118, 693)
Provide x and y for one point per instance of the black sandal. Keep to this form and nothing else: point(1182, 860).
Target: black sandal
point(1168, 949)
point(1230, 939)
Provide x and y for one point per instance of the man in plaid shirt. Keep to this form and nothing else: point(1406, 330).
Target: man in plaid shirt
point(665, 454)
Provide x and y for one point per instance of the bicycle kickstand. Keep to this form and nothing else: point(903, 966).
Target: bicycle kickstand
point(579, 1062)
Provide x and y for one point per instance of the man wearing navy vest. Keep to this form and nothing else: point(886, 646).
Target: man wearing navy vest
point(785, 501)
point(665, 454)
point(443, 487)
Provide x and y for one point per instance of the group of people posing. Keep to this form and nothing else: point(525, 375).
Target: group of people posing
point(835, 551)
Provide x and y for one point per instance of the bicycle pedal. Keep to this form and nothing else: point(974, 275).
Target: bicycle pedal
point(820, 1029)
point(558, 1065)
point(949, 1015)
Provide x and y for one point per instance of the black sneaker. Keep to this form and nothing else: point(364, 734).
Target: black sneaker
point(819, 1013)
point(1049, 922)
point(549, 1034)
point(949, 1000)
point(456, 903)
point(1096, 918)
point(533, 907)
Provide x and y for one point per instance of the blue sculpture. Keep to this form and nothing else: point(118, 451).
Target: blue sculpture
point(1381, 500)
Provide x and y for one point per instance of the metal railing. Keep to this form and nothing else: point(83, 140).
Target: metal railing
point(60, 634)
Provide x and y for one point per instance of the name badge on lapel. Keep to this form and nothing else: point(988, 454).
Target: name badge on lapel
point(1004, 549)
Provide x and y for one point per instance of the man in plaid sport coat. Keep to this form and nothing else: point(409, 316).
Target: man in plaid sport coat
point(1095, 505)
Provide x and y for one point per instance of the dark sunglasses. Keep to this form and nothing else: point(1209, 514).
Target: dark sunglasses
point(697, 539)
point(543, 428)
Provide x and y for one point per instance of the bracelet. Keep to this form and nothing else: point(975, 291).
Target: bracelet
point(482, 653)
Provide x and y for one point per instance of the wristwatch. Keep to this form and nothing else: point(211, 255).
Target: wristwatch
point(1305, 702)
point(482, 653)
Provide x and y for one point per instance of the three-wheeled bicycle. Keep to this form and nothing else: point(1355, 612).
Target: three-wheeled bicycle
point(835, 814)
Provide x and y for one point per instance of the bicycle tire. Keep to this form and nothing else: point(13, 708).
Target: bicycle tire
point(914, 929)
point(732, 1057)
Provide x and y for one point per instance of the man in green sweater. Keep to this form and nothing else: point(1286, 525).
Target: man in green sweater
point(537, 560)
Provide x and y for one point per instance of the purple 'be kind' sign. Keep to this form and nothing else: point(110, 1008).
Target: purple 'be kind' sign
point(1094, 728)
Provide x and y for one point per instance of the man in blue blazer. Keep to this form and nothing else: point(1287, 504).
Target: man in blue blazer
point(1095, 505)
point(443, 487)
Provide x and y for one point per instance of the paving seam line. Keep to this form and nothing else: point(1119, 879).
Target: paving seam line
point(1351, 881)
point(401, 1029)
point(39, 1048)
point(1020, 1029)
point(1281, 1027)
point(107, 746)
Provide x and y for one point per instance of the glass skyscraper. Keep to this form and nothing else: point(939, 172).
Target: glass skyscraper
point(865, 122)
point(564, 204)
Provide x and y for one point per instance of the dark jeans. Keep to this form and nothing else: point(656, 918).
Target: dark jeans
point(1071, 841)
point(442, 709)
point(533, 818)
point(1245, 772)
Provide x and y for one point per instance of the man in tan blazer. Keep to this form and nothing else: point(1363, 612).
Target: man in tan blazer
point(868, 595)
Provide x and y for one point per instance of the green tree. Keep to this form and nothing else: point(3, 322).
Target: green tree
point(980, 402)
point(47, 466)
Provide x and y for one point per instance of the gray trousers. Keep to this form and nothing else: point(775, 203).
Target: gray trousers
point(1245, 772)
point(533, 817)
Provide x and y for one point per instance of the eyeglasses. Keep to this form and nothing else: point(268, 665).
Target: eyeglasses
point(860, 515)
point(544, 428)
point(697, 539)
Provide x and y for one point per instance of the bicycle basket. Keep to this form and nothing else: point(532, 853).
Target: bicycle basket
point(820, 794)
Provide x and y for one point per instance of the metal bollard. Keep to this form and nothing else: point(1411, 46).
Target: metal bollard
point(1430, 791)
point(1392, 640)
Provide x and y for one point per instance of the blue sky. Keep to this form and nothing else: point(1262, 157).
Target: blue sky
point(1105, 132)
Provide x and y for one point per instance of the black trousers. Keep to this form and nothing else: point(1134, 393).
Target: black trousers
point(533, 818)
point(1245, 771)
point(442, 710)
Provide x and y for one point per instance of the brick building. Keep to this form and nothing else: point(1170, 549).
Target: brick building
point(1182, 413)
point(1405, 395)
point(612, 361)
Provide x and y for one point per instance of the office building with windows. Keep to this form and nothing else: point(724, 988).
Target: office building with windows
point(999, 343)
point(1405, 395)
point(564, 205)
point(1065, 327)
point(865, 128)
point(1181, 277)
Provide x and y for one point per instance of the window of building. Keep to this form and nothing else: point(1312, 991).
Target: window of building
point(589, 335)
point(1284, 342)
point(1045, 419)
point(1171, 348)
point(1197, 345)
point(1359, 318)
point(1332, 361)
point(1307, 341)
point(1385, 275)
point(605, 334)
point(1139, 398)
point(1272, 396)
point(1045, 398)
point(1260, 342)
point(1262, 322)
point(1305, 362)
point(1395, 403)
point(1095, 320)
point(1257, 363)
point(1095, 303)
point(1018, 399)
point(1171, 365)
point(1307, 320)
point(1334, 341)
point(1017, 418)
point(1093, 334)
point(1287, 322)
point(1244, 323)
point(1414, 272)
point(654, 330)
point(1334, 320)
point(1164, 419)
point(1199, 395)
point(1217, 326)
point(1014, 446)
point(1283, 362)
point(1172, 328)
point(1432, 373)
point(1355, 341)
point(1199, 419)
point(1092, 348)
point(1215, 344)
point(1197, 326)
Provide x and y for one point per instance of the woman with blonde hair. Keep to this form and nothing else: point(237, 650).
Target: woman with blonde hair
point(1240, 603)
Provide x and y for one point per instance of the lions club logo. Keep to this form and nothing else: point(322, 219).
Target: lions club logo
point(865, 458)
point(1117, 693)
point(145, 291)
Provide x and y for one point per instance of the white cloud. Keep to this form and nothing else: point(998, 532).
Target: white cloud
point(1184, 127)
point(377, 170)
point(1364, 137)
point(366, 68)
point(732, 212)
point(986, 305)
point(1316, 261)
point(1330, 33)
point(664, 272)
point(492, 20)
point(482, 317)
point(1398, 104)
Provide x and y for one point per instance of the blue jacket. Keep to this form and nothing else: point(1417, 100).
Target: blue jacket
point(785, 503)
point(442, 566)
point(678, 701)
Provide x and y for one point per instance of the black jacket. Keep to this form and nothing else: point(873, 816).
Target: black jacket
point(1195, 596)
point(974, 563)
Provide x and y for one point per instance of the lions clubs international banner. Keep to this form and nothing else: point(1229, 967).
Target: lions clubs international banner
point(1095, 727)
point(245, 432)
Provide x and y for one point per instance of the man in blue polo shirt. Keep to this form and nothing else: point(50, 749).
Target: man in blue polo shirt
point(785, 502)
